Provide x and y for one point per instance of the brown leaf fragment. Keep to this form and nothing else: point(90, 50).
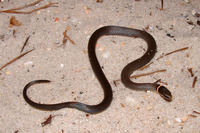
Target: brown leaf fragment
point(122, 105)
point(47, 121)
point(14, 22)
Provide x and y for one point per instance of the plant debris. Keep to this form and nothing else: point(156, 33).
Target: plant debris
point(99, 1)
point(47, 121)
point(14, 32)
point(67, 37)
point(178, 50)
point(196, 112)
point(2, 37)
point(140, 75)
point(198, 22)
point(15, 10)
point(190, 70)
point(194, 81)
point(14, 22)
point(161, 5)
point(25, 43)
point(150, 73)
point(13, 60)
point(142, 68)
point(169, 35)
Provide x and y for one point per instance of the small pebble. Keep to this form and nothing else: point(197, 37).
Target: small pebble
point(7, 72)
point(188, 1)
point(184, 119)
point(149, 108)
point(106, 54)
point(194, 12)
point(28, 63)
point(178, 120)
point(61, 65)
point(168, 63)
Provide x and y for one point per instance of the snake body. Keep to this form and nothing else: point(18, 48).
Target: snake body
point(125, 75)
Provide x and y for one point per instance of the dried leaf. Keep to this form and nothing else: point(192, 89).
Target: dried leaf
point(14, 22)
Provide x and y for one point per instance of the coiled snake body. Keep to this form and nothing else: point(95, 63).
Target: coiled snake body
point(125, 75)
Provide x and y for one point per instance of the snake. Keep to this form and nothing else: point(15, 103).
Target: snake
point(97, 69)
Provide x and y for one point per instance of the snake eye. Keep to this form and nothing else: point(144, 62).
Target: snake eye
point(164, 92)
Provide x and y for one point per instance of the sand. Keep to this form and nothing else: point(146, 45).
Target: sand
point(68, 67)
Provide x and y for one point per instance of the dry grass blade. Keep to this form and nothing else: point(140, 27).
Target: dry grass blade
point(178, 50)
point(194, 81)
point(22, 7)
point(196, 112)
point(13, 60)
point(161, 5)
point(66, 36)
point(29, 12)
point(145, 74)
point(25, 43)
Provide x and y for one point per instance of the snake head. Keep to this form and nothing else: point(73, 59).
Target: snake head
point(164, 92)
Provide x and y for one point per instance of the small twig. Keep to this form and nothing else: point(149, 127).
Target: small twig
point(22, 7)
point(194, 81)
point(190, 70)
point(196, 112)
point(66, 36)
point(140, 75)
point(13, 60)
point(191, 115)
point(150, 73)
point(178, 50)
point(25, 43)
point(161, 5)
point(29, 12)
point(14, 32)
point(142, 68)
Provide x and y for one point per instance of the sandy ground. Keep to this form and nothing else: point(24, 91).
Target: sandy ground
point(68, 68)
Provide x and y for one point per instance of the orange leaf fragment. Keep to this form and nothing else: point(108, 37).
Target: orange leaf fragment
point(14, 22)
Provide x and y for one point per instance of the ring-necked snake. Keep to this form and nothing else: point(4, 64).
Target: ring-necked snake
point(125, 75)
